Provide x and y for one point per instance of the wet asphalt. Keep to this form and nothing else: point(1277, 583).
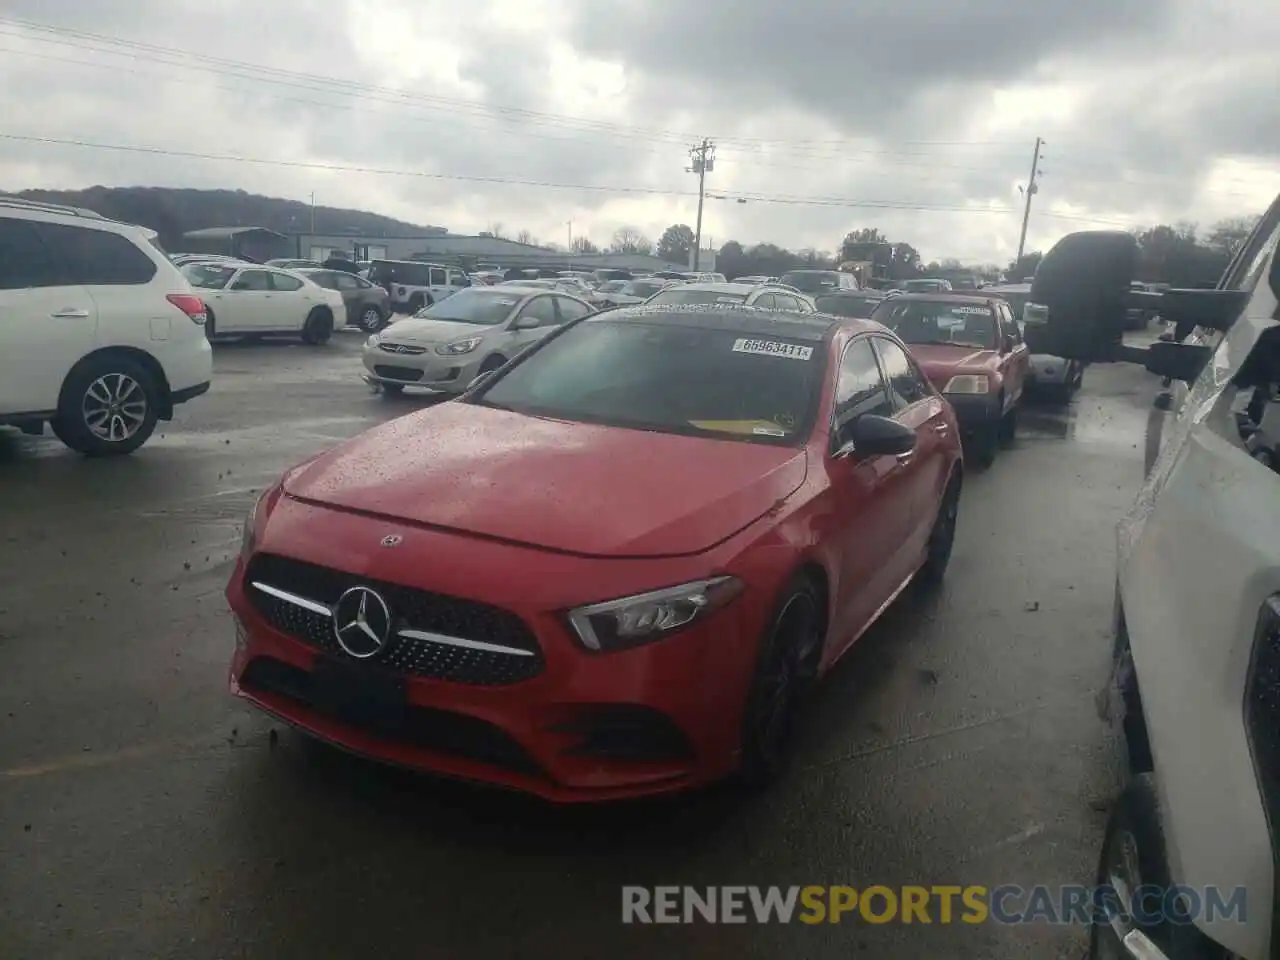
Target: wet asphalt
point(145, 813)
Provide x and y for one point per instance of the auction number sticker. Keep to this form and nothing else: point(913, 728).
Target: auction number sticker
point(979, 311)
point(772, 348)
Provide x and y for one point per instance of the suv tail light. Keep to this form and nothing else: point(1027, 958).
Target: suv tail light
point(189, 304)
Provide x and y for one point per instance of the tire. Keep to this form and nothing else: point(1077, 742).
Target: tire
point(392, 389)
point(1135, 854)
point(108, 407)
point(1009, 426)
point(210, 324)
point(370, 319)
point(318, 328)
point(417, 302)
point(943, 535)
point(984, 444)
point(490, 364)
point(789, 648)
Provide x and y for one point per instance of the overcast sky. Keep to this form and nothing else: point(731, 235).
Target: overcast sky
point(914, 116)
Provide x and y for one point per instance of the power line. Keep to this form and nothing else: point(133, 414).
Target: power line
point(511, 181)
point(93, 42)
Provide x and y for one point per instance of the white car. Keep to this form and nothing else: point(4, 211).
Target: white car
point(765, 296)
point(254, 300)
point(1196, 666)
point(100, 335)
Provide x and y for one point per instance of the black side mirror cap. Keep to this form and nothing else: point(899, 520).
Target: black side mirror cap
point(1177, 361)
point(874, 436)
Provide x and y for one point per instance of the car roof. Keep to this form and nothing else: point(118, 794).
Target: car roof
point(943, 297)
point(861, 294)
point(724, 286)
point(811, 270)
point(752, 320)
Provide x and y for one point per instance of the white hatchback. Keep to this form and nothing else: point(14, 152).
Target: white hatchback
point(100, 335)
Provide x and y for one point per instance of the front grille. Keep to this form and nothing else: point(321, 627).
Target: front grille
point(441, 730)
point(402, 348)
point(411, 608)
point(397, 373)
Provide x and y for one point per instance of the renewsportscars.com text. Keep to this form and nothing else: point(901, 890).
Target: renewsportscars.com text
point(943, 904)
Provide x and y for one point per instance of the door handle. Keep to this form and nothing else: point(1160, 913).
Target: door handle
point(70, 313)
point(905, 458)
point(941, 429)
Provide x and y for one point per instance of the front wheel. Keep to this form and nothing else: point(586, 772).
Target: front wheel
point(788, 652)
point(984, 444)
point(108, 407)
point(318, 328)
point(1009, 425)
point(943, 535)
point(370, 319)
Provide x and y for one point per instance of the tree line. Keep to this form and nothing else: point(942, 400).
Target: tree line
point(1180, 254)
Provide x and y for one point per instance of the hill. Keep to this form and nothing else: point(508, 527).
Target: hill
point(172, 212)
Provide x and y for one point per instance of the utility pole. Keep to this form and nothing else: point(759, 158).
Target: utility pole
point(569, 224)
point(1031, 191)
point(704, 160)
point(313, 213)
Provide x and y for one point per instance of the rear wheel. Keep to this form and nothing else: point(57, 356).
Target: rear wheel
point(370, 319)
point(210, 323)
point(108, 407)
point(417, 302)
point(318, 328)
point(787, 653)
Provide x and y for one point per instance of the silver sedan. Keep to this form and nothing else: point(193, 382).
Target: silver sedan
point(445, 346)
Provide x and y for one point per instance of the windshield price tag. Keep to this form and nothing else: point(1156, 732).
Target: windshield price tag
point(773, 348)
point(979, 311)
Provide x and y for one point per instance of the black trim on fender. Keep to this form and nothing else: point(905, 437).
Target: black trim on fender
point(189, 393)
point(1262, 726)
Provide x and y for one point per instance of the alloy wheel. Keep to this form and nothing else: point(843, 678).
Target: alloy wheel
point(114, 407)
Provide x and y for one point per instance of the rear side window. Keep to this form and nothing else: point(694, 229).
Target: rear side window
point(282, 282)
point(96, 257)
point(24, 259)
point(330, 281)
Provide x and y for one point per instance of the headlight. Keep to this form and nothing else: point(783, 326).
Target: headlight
point(645, 617)
point(458, 347)
point(967, 383)
point(374, 340)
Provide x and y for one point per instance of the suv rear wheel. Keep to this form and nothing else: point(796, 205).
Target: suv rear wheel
point(109, 407)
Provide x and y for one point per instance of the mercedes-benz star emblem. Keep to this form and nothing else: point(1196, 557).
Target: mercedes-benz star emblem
point(362, 623)
point(393, 540)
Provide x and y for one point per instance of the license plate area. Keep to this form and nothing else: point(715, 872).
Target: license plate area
point(359, 694)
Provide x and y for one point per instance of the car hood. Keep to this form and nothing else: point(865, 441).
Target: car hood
point(571, 487)
point(434, 331)
point(941, 361)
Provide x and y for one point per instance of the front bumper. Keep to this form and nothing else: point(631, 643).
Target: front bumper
point(587, 727)
point(427, 369)
point(975, 413)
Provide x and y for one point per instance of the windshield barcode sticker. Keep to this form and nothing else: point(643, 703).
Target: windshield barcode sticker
point(980, 311)
point(773, 348)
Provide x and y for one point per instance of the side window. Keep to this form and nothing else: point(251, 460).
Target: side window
point(860, 389)
point(571, 309)
point(906, 384)
point(25, 261)
point(544, 309)
point(346, 281)
point(96, 257)
point(361, 283)
point(412, 275)
point(327, 280)
point(439, 277)
point(284, 283)
point(766, 301)
point(254, 280)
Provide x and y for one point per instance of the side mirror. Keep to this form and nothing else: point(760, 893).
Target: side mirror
point(526, 323)
point(1079, 295)
point(1177, 361)
point(873, 436)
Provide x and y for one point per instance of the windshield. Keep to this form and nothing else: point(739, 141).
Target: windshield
point(811, 281)
point(923, 286)
point(207, 276)
point(858, 308)
point(678, 295)
point(485, 307)
point(927, 321)
point(669, 378)
point(642, 288)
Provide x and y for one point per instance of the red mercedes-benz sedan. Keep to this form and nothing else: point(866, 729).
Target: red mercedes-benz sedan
point(609, 568)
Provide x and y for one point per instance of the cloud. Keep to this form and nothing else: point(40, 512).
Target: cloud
point(917, 116)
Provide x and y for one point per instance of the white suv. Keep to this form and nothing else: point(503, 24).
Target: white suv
point(100, 335)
